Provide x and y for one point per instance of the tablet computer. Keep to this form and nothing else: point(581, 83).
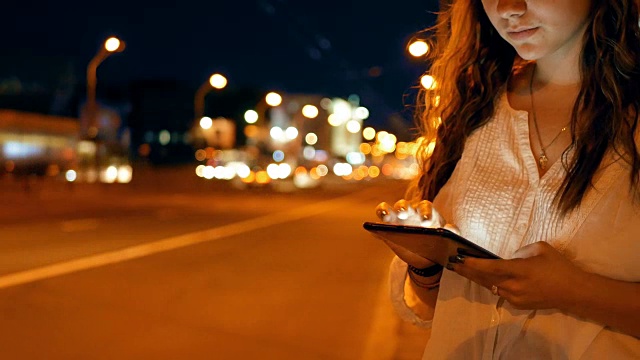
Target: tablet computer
point(436, 244)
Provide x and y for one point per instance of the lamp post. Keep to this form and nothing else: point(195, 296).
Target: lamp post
point(111, 45)
point(216, 81)
point(272, 99)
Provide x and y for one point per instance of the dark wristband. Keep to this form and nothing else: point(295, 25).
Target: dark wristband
point(426, 272)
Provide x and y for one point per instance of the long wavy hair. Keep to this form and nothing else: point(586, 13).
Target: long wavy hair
point(471, 63)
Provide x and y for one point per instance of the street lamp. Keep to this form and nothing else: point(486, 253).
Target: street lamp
point(111, 45)
point(216, 81)
point(418, 48)
point(272, 99)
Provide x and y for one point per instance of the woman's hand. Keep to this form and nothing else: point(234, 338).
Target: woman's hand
point(538, 277)
point(402, 213)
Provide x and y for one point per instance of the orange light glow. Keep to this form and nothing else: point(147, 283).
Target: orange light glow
point(201, 155)
point(144, 150)
point(249, 179)
point(262, 177)
point(387, 169)
point(210, 152)
point(365, 148)
point(313, 173)
point(374, 172)
point(251, 131)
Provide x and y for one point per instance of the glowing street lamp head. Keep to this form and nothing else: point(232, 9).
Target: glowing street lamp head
point(113, 44)
point(310, 111)
point(218, 81)
point(273, 99)
point(418, 48)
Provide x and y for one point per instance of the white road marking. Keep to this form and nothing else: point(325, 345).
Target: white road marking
point(168, 244)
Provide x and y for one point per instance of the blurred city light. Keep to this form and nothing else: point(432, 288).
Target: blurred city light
point(251, 116)
point(164, 137)
point(275, 147)
point(109, 175)
point(273, 99)
point(418, 48)
point(125, 174)
point(71, 175)
point(218, 81)
point(341, 111)
point(309, 152)
point(333, 120)
point(353, 126)
point(278, 155)
point(291, 133)
point(369, 133)
point(277, 134)
point(113, 44)
point(310, 111)
point(342, 169)
point(311, 138)
point(355, 158)
point(262, 177)
point(322, 170)
point(251, 131)
point(206, 122)
point(361, 113)
point(428, 82)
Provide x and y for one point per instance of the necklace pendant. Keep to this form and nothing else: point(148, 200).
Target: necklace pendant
point(542, 161)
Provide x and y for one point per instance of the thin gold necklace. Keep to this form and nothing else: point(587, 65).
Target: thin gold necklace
point(542, 159)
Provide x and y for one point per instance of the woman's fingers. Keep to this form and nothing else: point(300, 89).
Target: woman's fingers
point(403, 209)
point(384, 212)
point(403, 212)
point(425, 210)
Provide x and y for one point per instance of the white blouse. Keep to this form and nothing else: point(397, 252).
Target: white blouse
point(497, 199)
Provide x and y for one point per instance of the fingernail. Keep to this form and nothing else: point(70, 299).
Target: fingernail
point(460, 259)
point(456, 259)
point(450, 267)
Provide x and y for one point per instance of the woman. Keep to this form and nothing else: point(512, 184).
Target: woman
point(535, 120)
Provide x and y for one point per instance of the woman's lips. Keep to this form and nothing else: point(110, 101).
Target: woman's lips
point(520, 35)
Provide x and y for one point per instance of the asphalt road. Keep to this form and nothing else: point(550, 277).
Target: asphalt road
point(175, 267)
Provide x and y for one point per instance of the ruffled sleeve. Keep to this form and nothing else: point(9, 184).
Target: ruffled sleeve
point(397, 277)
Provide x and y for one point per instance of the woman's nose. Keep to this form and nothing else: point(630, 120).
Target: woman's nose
point(511, 8)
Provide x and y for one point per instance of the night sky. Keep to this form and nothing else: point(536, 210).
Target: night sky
point(331, 47)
